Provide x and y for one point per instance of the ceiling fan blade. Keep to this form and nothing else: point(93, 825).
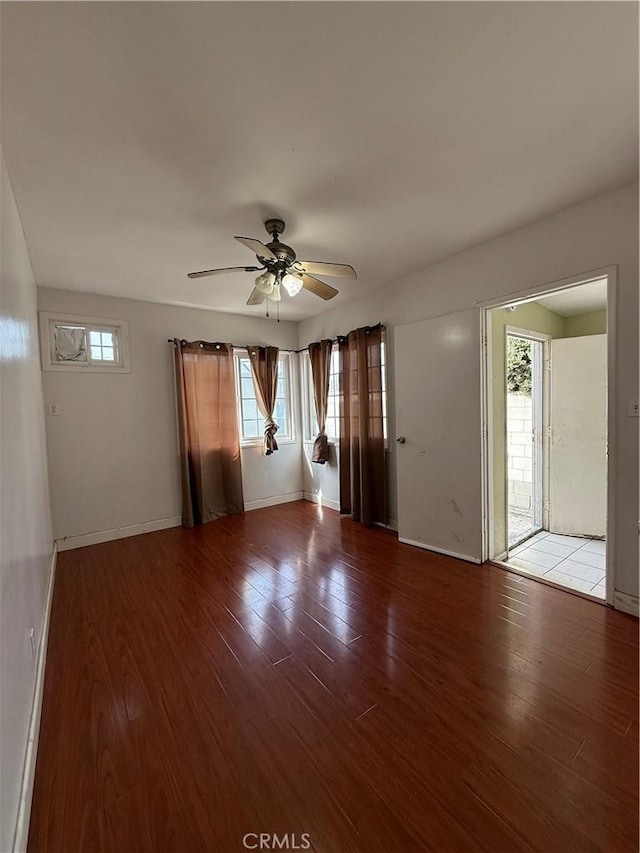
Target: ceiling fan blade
point(257, 297)
point(322, 268)
point(257, 247)
point(222, 271)
point(318, 288)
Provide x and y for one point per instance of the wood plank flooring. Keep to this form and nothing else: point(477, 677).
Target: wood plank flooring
point(289, 672)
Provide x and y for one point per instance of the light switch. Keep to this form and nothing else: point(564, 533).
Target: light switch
point(53, 410)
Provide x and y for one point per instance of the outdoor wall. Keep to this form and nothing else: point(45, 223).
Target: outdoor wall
point(519, 453)
point(580, 239)
point(26, 540)
point(113, 450)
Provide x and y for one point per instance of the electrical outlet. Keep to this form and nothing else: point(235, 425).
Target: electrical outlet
point(32, 640)
point(53, 410)
point(633, 409)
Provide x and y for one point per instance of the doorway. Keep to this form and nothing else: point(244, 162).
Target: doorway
point(547, 442)
point(524, 445)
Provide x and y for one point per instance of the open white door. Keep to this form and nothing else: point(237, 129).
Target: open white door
point(578, 446)
point(438, 413)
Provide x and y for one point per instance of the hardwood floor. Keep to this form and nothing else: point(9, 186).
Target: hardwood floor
point(287, 671)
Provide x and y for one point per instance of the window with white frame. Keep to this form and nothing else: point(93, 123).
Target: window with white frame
point(250, 419)
point(333, 401)
point(83, 343)
point(332, 427)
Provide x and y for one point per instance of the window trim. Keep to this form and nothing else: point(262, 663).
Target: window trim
point(48, 320)
point(281, 437)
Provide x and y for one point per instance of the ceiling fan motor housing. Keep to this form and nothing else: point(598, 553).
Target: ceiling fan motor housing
point(282, 252)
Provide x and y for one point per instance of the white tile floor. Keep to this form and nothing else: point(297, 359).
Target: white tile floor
point(567, 560)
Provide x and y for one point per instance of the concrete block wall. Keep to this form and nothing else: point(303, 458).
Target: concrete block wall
point(519, 426)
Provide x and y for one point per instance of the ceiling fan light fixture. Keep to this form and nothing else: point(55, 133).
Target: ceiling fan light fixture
point(265, 283)
point(292, 283)
point(276, 293)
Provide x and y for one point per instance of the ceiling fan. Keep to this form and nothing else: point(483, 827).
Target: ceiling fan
point(280, 270)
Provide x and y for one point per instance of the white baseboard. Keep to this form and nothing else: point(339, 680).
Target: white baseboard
point(318, 499)
point(21, 833)
point(626, 603)
point(69, 542)
point(392, 524)
point(273, 501)
point(465, 557)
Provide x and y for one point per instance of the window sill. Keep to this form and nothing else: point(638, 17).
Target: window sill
point(257, 442)
point(74, 367)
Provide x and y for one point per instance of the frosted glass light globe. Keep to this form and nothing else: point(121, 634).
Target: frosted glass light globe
point(292, 284)
point(265, 283)
point(275, 295)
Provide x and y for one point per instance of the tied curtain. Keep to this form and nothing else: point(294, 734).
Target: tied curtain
point(362, 454)
point(320, 358)
point(207, 431)
point(264, 370)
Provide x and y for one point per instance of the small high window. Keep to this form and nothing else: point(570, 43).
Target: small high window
point(83, 343)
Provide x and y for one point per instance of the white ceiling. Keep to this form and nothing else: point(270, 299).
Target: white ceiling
point(581, 299)
point(141, 137)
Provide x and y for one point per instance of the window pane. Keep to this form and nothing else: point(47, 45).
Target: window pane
point(107, 353)
point(107, 339)
point(245, 367)
point(250, 409)
point(248, 429)
point(94, 338)
point(247, 388)
point(70, 343)
point(96, 352)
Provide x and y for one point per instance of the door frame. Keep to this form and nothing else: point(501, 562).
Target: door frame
point(530, 295)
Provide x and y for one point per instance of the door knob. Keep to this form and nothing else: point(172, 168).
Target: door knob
point(401, 439)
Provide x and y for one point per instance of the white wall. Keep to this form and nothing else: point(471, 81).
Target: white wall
point(113, 453)
point(25, 523)
point(585, 237)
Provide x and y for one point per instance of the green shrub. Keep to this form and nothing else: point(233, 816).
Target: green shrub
point(519, 366)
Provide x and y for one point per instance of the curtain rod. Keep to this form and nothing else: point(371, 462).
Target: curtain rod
point(236, 346)
point(244, 346)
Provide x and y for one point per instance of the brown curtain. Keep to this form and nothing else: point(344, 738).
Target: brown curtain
point(362, 462)
point(208, 431)
point(264, 369)
point(320, 357)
